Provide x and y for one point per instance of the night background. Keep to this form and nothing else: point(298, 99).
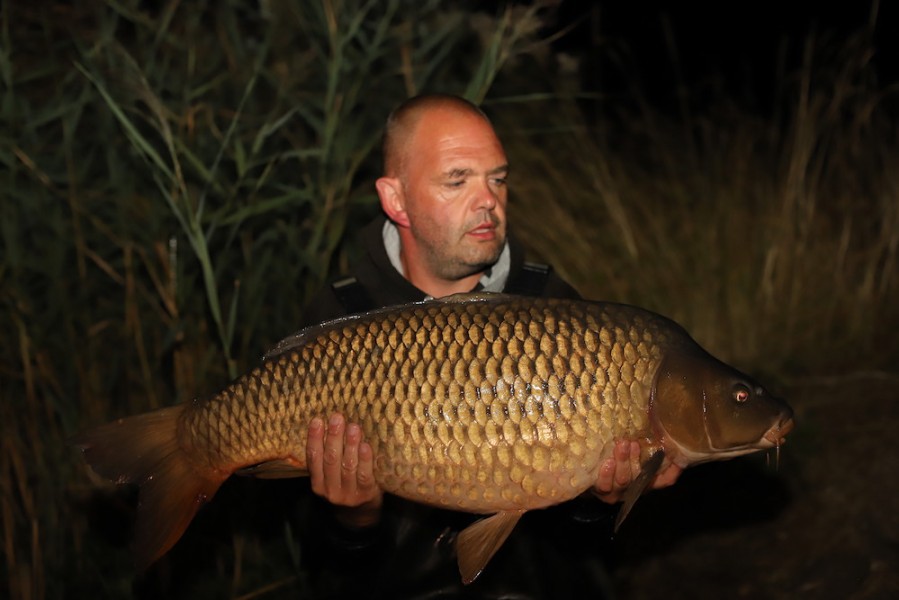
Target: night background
point(178, 178)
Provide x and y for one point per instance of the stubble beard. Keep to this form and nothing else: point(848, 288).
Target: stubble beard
point(451, 256)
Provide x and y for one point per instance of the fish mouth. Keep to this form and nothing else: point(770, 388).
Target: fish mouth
point(776, 436)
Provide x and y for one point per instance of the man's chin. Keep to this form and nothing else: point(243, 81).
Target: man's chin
point(467, 269)
point(487, 252)
point(484, 260)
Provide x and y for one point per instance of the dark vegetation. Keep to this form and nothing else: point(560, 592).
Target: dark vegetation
point(177, 178)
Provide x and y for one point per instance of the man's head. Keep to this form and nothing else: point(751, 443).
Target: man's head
point(444, 186)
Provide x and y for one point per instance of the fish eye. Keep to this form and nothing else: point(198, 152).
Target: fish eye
point(741, 394)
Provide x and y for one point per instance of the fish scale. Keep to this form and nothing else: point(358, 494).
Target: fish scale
point(491, 379)
point(482, 403)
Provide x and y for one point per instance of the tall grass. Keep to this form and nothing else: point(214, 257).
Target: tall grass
point(775, 240)
point(176, 180)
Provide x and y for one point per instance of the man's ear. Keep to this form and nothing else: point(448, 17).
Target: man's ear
point(393, 200)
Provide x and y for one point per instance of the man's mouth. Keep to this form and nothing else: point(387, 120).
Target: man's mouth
point(483, 231)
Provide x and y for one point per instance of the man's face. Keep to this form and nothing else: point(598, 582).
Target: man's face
point(454, 183)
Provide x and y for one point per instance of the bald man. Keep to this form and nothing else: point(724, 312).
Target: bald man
point(443, 231)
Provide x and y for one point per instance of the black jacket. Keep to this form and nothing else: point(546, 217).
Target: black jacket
point(553, 553)
point(386, 287)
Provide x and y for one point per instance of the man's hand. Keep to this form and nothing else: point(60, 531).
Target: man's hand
point(341, 471)
point(619, 471)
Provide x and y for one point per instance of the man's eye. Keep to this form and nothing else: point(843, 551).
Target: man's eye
point(499, 181)
point(456, 183)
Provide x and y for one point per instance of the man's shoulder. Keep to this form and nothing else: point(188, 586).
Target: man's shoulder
point(557, 287)
point(535, 278)
point(371, 282)
point(539, 279)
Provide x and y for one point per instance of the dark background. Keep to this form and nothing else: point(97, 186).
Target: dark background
point(738, 46)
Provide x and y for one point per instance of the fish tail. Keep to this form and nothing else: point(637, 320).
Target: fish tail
point(144, 449)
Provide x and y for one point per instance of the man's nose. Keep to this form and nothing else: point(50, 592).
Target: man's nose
point(486, 197)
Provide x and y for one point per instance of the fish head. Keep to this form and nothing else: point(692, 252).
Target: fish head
point(707, 410)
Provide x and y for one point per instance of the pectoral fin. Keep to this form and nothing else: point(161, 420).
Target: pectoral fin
point(478, 542)
point(647, 473)
point(274, 469)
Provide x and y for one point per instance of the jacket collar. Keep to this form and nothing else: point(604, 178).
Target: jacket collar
point(493, 280)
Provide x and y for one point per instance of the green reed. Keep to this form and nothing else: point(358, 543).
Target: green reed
point(177, 180)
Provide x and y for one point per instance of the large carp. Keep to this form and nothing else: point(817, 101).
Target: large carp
point(489, 404)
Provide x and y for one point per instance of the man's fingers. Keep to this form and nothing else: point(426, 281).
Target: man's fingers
point(350, 461)
point(314, 451)
point(636, 467)
point(333, 455)
point(365, 476)
point(667, 477)
point(606, 479)
point(624, 473)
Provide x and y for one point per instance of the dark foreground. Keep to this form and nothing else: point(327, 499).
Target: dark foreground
point(825, 524)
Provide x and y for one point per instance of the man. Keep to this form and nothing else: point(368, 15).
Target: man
point(444, 197)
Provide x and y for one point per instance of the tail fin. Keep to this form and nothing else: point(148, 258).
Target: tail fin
point(144, 449)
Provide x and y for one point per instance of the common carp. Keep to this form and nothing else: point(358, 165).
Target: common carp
point(484, 403)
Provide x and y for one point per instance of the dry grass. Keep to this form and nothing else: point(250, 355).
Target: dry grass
point(773, 240)
point(177, 181)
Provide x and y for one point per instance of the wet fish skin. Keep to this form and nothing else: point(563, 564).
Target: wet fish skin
point(486, 404)
point(474, 407)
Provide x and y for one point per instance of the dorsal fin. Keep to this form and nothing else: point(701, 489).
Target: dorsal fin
point(465, 297)
point(301, 337)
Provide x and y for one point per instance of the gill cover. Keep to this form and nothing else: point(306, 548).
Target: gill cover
point(707, 410)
